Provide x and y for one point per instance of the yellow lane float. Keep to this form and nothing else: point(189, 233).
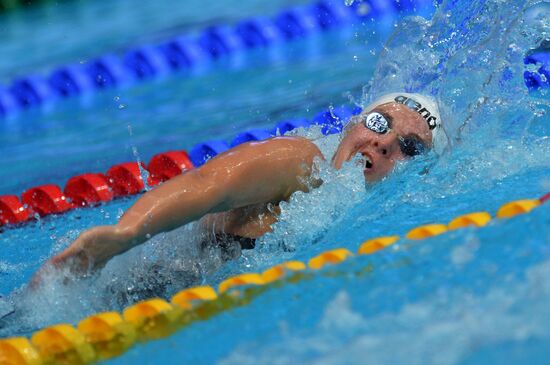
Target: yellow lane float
point(514, 208)
point(240, 280)
point(108, 334)
point(63, 344)
point(329, 257)
point(18, 351)
point(153, 318)
point(428, 230)
point(186, 298)
point(376, 244)
point(477, 219)
point(280, 271)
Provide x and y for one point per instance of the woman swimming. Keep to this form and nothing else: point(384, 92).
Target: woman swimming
point(233, 190)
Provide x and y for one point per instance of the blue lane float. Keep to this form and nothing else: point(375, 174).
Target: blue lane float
point(221, 41)
point(337, 14)
point(259, 32)
point(290, 124)
point(330, 120)
point(31, 91)
point(540, 78)
point(147, 62)
point(108, 71)
point(183, 52)
point(202, 152)
point(250, 135)
point(70, 80)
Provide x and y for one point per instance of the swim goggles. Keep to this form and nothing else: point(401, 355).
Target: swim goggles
point(409, 146)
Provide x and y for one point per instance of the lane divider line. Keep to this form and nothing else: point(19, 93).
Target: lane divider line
point(106, 335)
point(184, 54)
point(125, 179)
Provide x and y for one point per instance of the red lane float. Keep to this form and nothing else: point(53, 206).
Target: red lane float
point(92, 188)
point(12, 210)
point(125, 179)
point(545, 198)
point(46, 199)
point(166, 165)
point(88, 189)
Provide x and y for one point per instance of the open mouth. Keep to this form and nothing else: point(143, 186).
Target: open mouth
point(368, 161)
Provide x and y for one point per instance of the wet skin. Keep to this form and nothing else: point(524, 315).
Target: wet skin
point(233, 190)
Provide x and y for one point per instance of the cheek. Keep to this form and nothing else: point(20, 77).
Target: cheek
point(383, 168)
point(386, 166)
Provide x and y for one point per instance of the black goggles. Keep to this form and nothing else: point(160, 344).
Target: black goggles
point(409, 145)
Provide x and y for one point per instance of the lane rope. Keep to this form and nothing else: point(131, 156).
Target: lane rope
point(109, 334)
point(185, 53)
point(126, 179)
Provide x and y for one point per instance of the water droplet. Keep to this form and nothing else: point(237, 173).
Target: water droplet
point(363, 9)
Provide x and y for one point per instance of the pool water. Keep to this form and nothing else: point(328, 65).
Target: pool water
point(465, 297)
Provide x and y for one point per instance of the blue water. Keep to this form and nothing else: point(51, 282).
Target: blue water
point(466, 297)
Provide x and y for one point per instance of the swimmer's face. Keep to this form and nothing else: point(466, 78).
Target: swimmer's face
point(381, 151)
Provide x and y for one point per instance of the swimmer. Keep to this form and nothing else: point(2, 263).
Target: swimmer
point(234, 189)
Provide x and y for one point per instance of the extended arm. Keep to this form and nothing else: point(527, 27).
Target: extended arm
point(252, 173)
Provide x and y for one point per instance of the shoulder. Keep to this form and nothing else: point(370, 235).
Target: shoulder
point(277, 155)
point(298, 147)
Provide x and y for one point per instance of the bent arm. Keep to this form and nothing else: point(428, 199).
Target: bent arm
point(252, 173)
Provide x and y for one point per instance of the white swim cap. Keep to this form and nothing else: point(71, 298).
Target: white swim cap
point(423, 105)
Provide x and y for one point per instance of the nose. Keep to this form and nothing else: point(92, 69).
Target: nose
point(385, 143)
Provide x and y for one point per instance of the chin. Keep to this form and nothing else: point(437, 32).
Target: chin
point(373, 176)
point(370, 177)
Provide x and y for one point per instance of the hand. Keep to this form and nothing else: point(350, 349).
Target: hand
point(75, 259)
